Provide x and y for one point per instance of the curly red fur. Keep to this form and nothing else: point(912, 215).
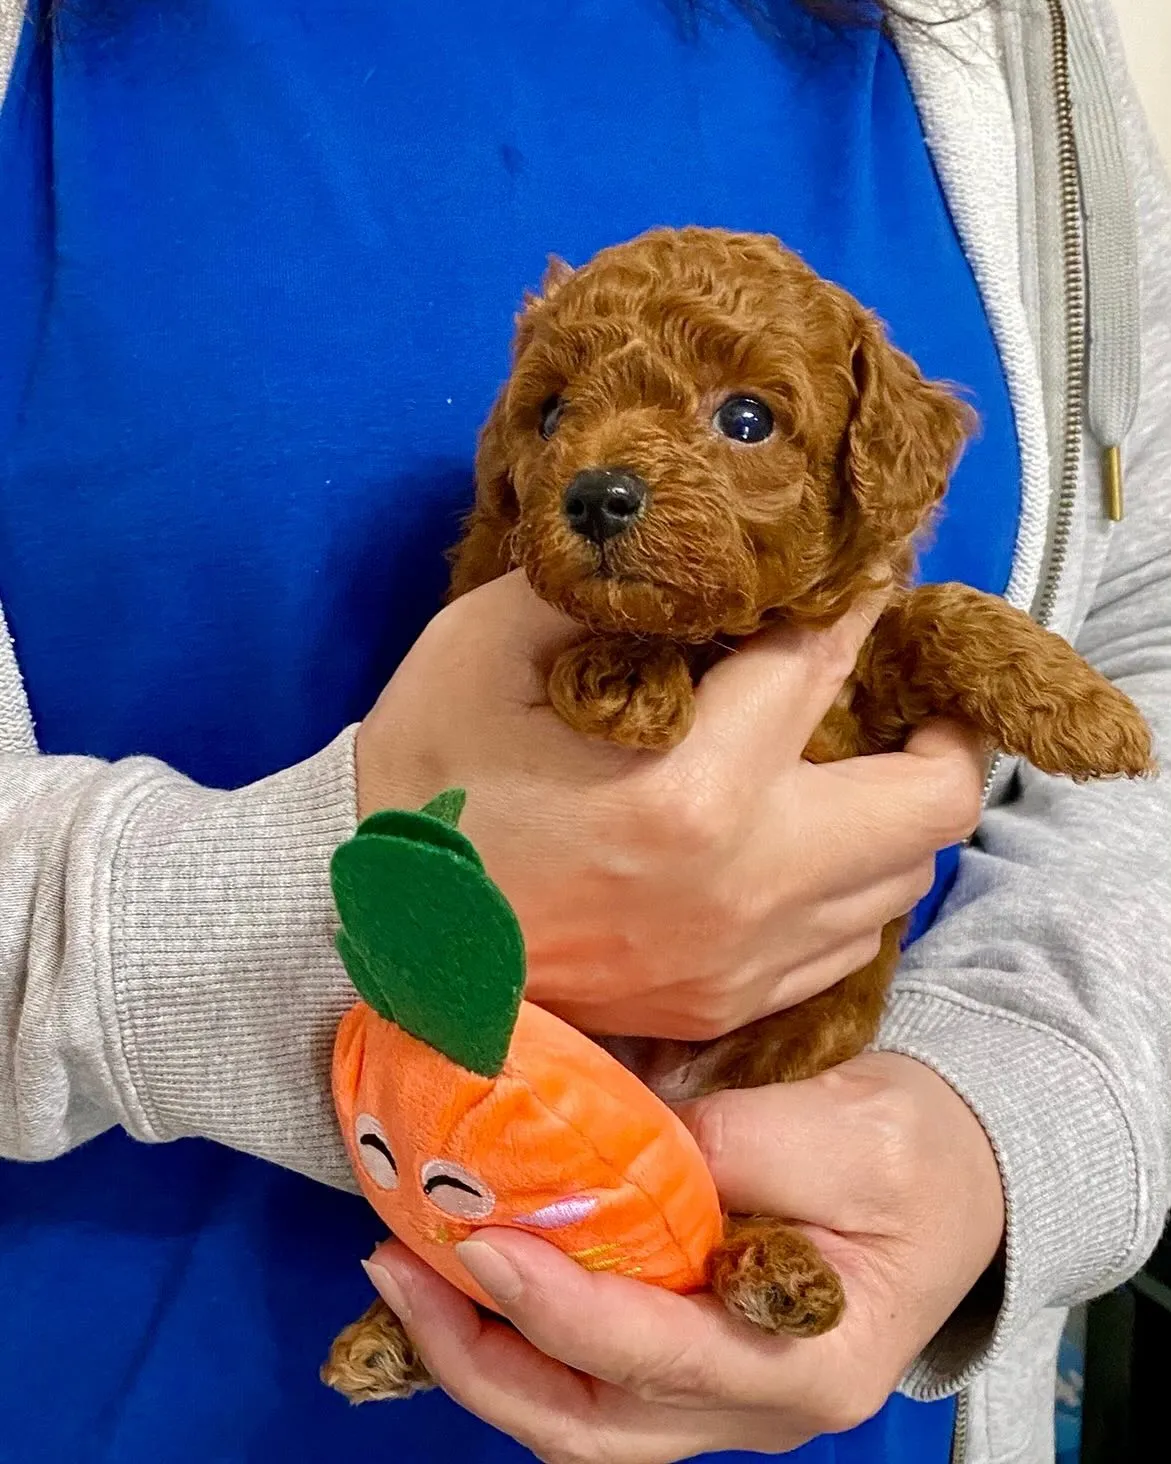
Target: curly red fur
point(643, 343)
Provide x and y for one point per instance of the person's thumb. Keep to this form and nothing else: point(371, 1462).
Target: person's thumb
point(786, 678)
point(506, 624)
point(792, 1150)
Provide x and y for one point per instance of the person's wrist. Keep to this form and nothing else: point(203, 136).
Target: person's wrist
point(224, 984)
point(372, 784)
point(388, 773)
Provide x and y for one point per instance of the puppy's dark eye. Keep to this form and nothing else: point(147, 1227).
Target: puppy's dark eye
point(551, 413)
point(744, 419)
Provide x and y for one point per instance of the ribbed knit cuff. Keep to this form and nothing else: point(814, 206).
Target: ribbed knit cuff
point(1067, 1162)
point(226, 986)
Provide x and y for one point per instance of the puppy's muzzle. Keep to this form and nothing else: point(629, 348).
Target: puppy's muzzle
point(602, 503)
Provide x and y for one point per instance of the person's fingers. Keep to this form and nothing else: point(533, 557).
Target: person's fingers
point(779, 994)
point(830, 1151)
point(605, 1368)
point(677, 1351)
point(884, 900)
point(498, 1374)
point(481, 1362)
point(850, 930)
point(942, 737)
point(960, 761)
point(781, 682)
point(867, 821)
point(896, 809)
point(524, 632)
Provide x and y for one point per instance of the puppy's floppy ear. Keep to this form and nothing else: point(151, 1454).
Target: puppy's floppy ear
point(484, 552)
point(495, 494)
point(903, 438)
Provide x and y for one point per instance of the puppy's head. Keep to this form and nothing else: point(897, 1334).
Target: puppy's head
point(699, 435)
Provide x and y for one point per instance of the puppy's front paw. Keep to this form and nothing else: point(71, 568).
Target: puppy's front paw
point(775, 1278)
point(1101, 734)
point(633, 692)
point(374, 1359)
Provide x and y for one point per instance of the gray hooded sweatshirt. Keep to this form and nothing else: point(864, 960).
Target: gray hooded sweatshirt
point(166, 958)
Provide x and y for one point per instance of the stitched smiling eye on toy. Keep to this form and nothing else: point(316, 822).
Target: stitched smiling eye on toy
point(463, 1105)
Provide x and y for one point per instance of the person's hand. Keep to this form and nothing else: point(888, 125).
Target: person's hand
point(893, 1177)
point(681, 894)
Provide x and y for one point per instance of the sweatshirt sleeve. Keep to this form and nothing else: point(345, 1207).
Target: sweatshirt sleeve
point(166, 956)
point(1043, 994)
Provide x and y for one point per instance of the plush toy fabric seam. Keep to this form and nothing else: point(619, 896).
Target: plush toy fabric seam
point(607, 1163)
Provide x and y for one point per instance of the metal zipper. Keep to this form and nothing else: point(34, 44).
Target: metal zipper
point(1073, 273)
point(959, 1436)
point(1073, 270)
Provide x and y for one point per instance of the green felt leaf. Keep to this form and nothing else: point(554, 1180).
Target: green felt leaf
point(447, 806)
point(428, 940)
point(421, 827)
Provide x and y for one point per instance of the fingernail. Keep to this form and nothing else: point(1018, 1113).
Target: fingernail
point(495, 1273)
point(389, 1289)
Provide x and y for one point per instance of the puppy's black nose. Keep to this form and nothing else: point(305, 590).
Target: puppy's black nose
point(603, 502)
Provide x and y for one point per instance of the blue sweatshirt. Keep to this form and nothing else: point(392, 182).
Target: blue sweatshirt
point(261, 263)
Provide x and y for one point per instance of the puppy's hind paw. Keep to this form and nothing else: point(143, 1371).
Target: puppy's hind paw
point(373, 1359)
point(774, 1277)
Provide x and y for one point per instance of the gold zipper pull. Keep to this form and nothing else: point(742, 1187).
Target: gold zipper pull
point(1112, 482)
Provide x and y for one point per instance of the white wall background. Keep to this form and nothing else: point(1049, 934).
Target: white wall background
point(1146, 29)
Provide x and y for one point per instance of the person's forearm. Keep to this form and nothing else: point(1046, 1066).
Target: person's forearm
point(166, 957)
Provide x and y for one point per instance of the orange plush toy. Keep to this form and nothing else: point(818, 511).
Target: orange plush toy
point(463, 1105)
